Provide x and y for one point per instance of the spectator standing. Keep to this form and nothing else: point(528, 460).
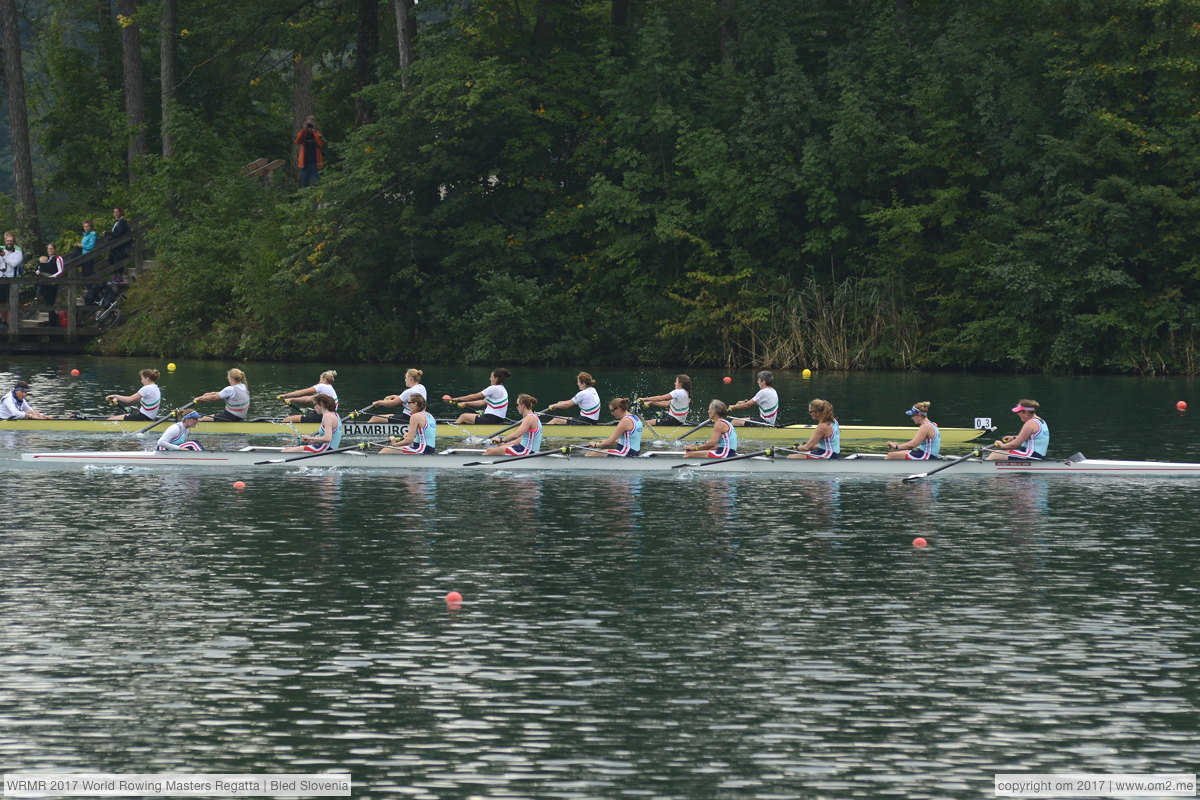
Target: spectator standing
point(311, 156)
point(120, 228)
point(51, 266)
point(86, 245)
point(11, 259)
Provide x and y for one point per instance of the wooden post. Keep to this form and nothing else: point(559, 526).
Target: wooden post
point(72, 289)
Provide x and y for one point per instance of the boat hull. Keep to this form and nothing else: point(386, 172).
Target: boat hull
point(852, 435)
point(255, 460)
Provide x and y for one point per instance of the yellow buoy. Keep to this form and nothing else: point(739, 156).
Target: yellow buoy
point(806, 374)
point(171, 367)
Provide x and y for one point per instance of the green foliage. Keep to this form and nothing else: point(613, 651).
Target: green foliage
point(845, 184)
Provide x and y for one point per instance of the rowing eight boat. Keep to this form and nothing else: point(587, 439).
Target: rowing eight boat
point(853, 435)
point(662, 463)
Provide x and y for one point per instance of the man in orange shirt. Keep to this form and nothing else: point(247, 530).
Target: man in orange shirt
point(311, 156)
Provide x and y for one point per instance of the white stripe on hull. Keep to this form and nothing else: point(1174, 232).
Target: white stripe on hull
point(663, 464)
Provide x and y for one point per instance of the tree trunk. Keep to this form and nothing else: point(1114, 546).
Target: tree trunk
point(302, 102)
point(728, 29)
point(367, 42)
point(168, 58)
point(403, 39)
point(544, 28)
point(135, 85)
point(620, 13)
point(18, 123)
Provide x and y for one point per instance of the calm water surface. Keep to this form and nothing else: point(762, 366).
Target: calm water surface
point(621, 636)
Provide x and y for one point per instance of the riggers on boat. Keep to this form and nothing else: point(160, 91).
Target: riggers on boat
point(852, 435)
point(570, 459)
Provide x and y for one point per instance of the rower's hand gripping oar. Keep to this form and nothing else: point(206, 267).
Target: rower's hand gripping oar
point(355, 414)
point(566, 451)
point(359, 446)
point(174, 414)
point(919, 475)
point(768, 453)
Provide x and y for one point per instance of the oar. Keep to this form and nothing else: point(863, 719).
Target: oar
point(769, 453)
point(359, 446)
point(689, 432)
point(566, 450)
point(354, 414)
point(959, 460)
point(161, 420)
point(750, 421)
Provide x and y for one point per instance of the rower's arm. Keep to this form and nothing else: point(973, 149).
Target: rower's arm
point(391, 401)
point(562, 404)
point(818, 433)
point(207, 397)
point(742, 404)
point(117, 398)
point(626, 424)
point(711, 444)
point(469, 399)
point(516, 435)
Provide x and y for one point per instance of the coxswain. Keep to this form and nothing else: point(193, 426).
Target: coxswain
point(328, 436)
point(926, 443)
point(413, 387)
point(527, 438)
point(675, 404)
point(422, 432)
point(626, 438)
point(723, 443)
point(308, 394)
point(826, 439)
point(16, 406)
point(766, 400)
point(177, 436)
point(493, 400)
point(149, 398)
point(1032, 441)
point(236, 396)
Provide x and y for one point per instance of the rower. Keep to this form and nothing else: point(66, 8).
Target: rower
point(675, 404)
point(324, 386)
point(177, 436)
point(587, 398)
point(926, 444)
point(627, 436)
point(1032, 441)
point(149, 396)
point(413, 387)
point(422, 432)
point(15, 406)
point(236, 396)
point(527, 438)
point(493, 399)
point(826, 439)
point(328, 436)
point(723, 443)
point(767, 401)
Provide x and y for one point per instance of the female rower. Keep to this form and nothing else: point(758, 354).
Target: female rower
point(627, 436)
point(422, 432)
point(1031, 441)
point(587, 398)
point(723, 443)
point(677, 403)
point(236, 396)
point(309, 394)
point(177, 436)
point(493, 399)
point(826, 439)
point(328, 436)
point(767, 400)
point(149, 396)
point(15, 406)
point(527, 438)
point(414, 388)
point(926, 444)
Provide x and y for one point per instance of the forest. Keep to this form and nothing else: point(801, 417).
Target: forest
point(833, 184)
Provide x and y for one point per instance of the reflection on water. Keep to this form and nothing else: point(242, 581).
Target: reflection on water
point(678, 636)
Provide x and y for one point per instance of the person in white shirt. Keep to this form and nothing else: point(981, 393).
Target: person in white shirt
point(675, 404)
point(16, 406)
point(413, 387)
point(177, 436)
point(587, 398)
point(11, 259)
point(493, 401)
point(309, 395)
point(236, 396)
point(148, 396)
point(767, 401)
point(51, 266)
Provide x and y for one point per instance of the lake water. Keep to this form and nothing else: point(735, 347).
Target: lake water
point(687, 636)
